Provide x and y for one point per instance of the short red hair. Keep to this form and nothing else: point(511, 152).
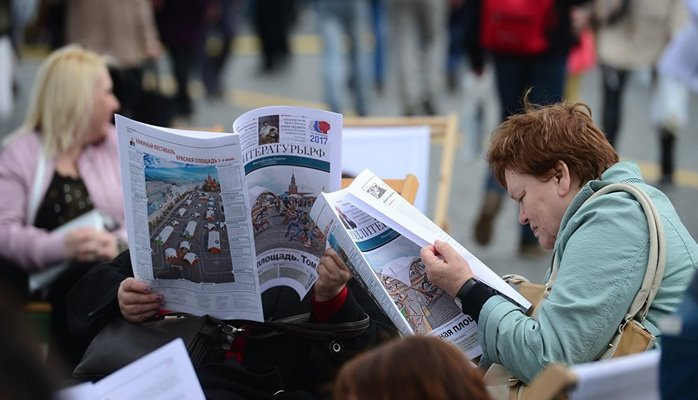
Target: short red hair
point(535, 140)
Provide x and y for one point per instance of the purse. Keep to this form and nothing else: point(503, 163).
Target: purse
point(206, 338)
point(631, 336)
point(121, 342)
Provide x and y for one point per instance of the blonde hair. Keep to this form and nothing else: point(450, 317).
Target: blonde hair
point(63, 97)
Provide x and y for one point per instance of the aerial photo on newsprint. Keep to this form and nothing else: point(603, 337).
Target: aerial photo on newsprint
point(188, 236)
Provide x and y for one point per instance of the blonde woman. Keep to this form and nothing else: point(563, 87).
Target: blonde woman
point(61, 166)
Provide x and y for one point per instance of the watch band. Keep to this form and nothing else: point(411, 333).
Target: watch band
point(464, 291)
point(472, 296)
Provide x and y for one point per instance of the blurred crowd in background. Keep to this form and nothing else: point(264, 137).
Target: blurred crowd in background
point(430, 48)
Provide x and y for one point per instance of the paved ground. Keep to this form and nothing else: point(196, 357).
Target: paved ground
point(300, 84)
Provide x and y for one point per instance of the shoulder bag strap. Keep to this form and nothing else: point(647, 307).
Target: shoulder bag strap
point(657, 252)
point(298, 325)
point(548, 285)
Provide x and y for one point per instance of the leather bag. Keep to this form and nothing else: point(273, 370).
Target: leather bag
point(206, 338)
point(121, 342)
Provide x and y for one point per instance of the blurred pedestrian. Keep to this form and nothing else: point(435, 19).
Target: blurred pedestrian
point(222, 20)
point(380, 43)
point(181, 24)
point(678, 74)
point(338, 21)
point(455, 54)
point(630, 38)
point(273, 20)
point(122, 29)
point(418, 37)
point(525, 55)
point(582, 57)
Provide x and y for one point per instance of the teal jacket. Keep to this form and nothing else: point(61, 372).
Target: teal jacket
point(603, 248)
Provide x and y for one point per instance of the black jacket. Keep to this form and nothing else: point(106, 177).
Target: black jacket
point(301, 367)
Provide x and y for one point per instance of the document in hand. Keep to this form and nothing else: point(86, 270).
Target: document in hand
point(214, 219)
point(373, 196)
point(379, 235)
point(388, 266)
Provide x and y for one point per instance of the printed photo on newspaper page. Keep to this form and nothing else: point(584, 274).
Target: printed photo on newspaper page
point(187, 214)
point(290, 155)
point(374, 197)
point(389, 267)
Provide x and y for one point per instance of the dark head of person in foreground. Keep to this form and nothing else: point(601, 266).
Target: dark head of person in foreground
point(411, 368)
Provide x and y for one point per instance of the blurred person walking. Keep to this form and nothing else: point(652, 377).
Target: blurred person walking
point(181, 24)
point(337, 21)
point(630, 37)
point(528, 43)
point(582, 56)
point(678, 74)
point(455, 52)
point(418, 35)
point(222, 20)
point(122, 29)
point(380, 43)
point(60, 167)
point(273, 20)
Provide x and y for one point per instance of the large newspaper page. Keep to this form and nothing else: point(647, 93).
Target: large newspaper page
point(290, 156)
point(379, 200)
point(187, 215)
point(389, 267)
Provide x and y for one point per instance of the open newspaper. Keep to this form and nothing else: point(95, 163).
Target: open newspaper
point(390, 269)
point(379, 235)
point(214, 219)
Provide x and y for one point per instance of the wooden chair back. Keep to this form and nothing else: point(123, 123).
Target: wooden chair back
point(444, 132)
point(407, 187)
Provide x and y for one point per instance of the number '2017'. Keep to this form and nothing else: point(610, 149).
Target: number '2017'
point(318, 139)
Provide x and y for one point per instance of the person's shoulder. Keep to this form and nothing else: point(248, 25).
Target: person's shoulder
point(19, 147)
point(20, 139)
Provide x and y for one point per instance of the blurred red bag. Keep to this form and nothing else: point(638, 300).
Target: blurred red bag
point(583, 56)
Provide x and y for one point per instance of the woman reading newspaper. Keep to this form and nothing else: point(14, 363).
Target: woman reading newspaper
point(551, 160)
point(255, 367)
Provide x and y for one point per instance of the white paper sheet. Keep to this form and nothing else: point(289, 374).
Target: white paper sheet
point(164, 374)
point(633, 377)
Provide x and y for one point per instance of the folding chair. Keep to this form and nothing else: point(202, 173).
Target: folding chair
point(444, 131)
